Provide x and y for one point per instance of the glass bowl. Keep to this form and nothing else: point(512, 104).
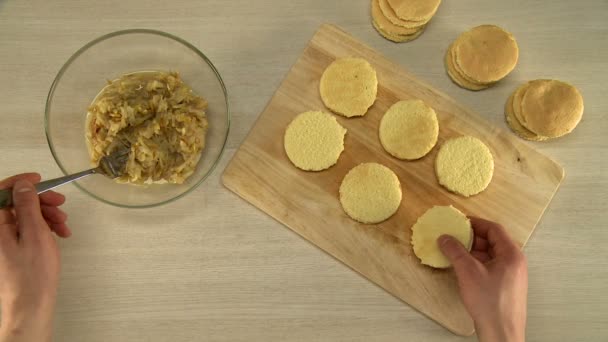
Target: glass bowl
point(106, 58)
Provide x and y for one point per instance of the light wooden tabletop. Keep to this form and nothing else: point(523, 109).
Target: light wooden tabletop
point(210, 267)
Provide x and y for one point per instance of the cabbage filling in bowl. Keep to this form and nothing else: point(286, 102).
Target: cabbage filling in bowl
point(161, 119)
point(120, 88)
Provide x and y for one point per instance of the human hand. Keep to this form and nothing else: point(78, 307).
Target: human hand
point(29, 260)
point(493, 281)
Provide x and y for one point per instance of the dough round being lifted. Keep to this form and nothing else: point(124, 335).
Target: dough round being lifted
point(409, 129)
point(314, 141)
point(464, 165)
point(435, 222)
point(349, 86)
point(370, 193)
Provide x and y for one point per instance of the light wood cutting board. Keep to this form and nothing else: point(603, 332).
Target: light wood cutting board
point(307, 202)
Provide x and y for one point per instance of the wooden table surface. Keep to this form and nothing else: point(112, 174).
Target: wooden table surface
point(210, 267)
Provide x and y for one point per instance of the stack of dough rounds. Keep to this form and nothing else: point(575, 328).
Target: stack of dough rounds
point(464, 165)
point(314, 141)
point(481, 57)
point(349, 86)
point(544, 109)
point(370, 193)
point(409, 129)
point(434, 223)
point(402, 20)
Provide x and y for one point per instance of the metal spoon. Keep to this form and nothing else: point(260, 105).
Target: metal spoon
point(111, 166)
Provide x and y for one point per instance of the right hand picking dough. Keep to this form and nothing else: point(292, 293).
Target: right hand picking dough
point(435, 222)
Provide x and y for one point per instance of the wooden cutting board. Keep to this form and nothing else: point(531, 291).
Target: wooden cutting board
point(307, 202)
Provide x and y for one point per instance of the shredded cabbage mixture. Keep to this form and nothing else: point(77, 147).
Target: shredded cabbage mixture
point(161, 118)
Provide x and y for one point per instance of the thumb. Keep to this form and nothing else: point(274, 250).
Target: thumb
point(27, 207)
point(465, 265)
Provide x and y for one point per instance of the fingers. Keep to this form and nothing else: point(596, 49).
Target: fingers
point(61, 229)
point(48, 200)
point(6, 216)
point(8, 236)
point(499, 241)
point(483, 257)
point(10, 181)
point(27, 209)
point(481, 227)
point(480, 244)
point(27, 206)
point(53, 214)
point(52, 198)
point(465, 265)
point(56, 219)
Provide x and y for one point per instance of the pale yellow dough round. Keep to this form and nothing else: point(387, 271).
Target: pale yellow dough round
point(464, 165)
point(314, 141)
point(551, 108)
point(349, 86)
point(415, 10)
point(390, 14)
point(370, 193)
point(486, 53)
point(386, 25)
point(435, 222)
point(409, 129)
point(516, 126)
point(395, 37)
point(456, 76)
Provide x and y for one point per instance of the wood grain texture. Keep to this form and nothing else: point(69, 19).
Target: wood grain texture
point(524, 180)
point(211, 267)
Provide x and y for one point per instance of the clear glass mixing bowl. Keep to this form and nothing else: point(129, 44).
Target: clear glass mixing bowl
point(106, 58)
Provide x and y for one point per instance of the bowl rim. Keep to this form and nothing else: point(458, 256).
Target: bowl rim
point(107, 36)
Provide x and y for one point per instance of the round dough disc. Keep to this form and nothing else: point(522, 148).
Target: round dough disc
point(456, 76)
point(370, 193)
point(390, 14)
point(486, 53)
point(435, 222)
point(551, 108)
point(396, 37)
point(464, 165)
point(349, 86)
point(386, 25)
point(516, 126)
point(415, 10)
point(409, 129)
point(314, 141)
